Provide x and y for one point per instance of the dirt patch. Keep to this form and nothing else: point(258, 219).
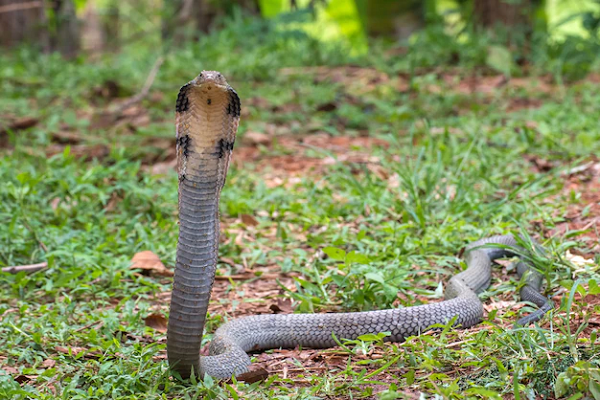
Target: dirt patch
point(582, 186)
point(306, 155)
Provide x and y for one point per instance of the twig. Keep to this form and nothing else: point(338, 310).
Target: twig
point(27, 268)
point(579, 169)
point(460, 343)
point(20, 6)
point(145, 89)
point(19, 124)
point(90, 325)
point(245, 277)
point(42, 245)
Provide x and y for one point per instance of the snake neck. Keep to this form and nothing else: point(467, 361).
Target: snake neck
point(206, 127)
point(196, 261)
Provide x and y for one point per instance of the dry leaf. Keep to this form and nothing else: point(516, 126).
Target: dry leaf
point(282, 306)
point(327, 107)
point(256, 138)
point(504, 263)
point(73, 350)
point(254, 375)
point(149, 263)
point(54, 203)
point(162, 168)
point(502, 305)
point(21, 379)
point(157, 322)
point(578, 260)
point(248, 220)
point(48, 363)
point(66, 137)
point(10, 370)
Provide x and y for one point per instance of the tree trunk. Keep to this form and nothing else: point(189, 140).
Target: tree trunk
point(393, 19)
point(66, 39)
point(190, 18)
point(26, 22)
point(511, 21)
point(507, 13)
point(92, 34)
point(23, 21)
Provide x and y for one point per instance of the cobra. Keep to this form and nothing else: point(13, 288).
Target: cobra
point(207, 119)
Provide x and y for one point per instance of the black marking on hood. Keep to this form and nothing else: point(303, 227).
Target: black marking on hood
point(223, 147)
point(183, 102)
point(183, 142)
point(234, 107)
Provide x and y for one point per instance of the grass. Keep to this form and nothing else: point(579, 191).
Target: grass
point(373, 227)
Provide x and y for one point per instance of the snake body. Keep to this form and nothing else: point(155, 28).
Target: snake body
point(208, 112)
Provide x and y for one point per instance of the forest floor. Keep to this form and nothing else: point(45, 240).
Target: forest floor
point(352, 188)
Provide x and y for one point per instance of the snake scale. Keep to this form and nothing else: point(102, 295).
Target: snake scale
point(207, 118)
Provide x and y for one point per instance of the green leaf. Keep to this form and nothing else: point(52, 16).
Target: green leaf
point(483, 392)
point(375, 276)
point(593, 288)
point(500, 59)
point(369, 337)
point(595, 389)
point(354, 257)
point(410, 376)
point(361, 235)
point(334, 253)
point(561, 386)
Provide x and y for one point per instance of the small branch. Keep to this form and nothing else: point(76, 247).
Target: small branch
point(247, 277)
point(30, 269)
point(20, 6)
point(100, 323)
point(42, 245)
point(19, 124)
point(145, 89)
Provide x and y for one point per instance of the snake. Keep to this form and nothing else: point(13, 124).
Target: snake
point(207, 119)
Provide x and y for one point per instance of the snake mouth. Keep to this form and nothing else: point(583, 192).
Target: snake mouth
point(210, 80)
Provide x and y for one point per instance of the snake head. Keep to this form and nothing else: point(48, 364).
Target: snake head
point(208, 78)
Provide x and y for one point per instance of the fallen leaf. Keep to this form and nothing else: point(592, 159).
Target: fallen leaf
point(578, 260)
point(21, 379)
point(19, 124)
point(67, 350)
point(66, 137)
point(504, 263)
point(54, 203)
point(149, 262)
point(157, 322)
point(112, 202)
point(282, 306)
point(48, 363)
point(253, 376)
point(10, 370)
point(327, 107)
point(249, 220)
point(256, 138)
point(502, 305)
point(162, 168)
